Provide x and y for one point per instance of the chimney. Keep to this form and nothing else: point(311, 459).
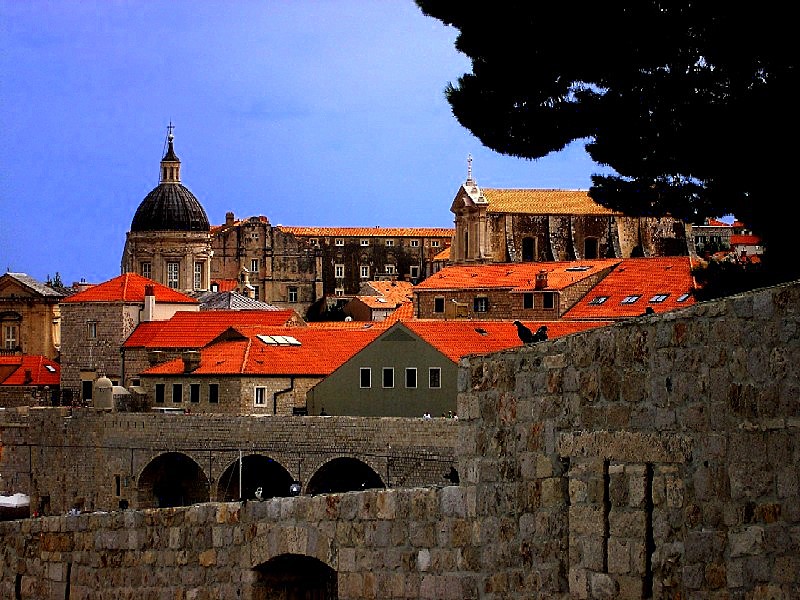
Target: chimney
point(541, 280)
point(28, 377)
point(191, 360)
point(228, 218)
point(149, 303)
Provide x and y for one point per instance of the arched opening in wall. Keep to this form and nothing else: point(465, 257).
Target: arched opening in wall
point(171, 479)
point(257, 471)
point(294, 577)
point(591, 248)
point(343, 475)
point(528, 249)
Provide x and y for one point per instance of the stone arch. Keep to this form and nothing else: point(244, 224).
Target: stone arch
point(171, 479)
point(257, 471)
point(294, 577)
point(343, 474)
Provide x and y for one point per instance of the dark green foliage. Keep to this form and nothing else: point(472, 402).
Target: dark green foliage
point(691, 104)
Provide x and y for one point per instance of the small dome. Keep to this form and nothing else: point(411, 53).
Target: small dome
point(103, 383)
point(170, 207)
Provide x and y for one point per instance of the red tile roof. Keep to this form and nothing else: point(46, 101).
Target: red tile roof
point(513, 276)
point(129, 287)
point(745, 240)
point(188, 329)
point(366, 232)
point(456, 339)
point(404, 312)
point(320, 351)
point(43, 371)
point(643, 277)
point(225, 285)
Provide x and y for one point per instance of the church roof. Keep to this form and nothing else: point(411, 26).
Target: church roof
point(170, 206)
point(543, 202)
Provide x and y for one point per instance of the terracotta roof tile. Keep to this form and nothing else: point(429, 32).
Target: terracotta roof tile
point(365, 232)
point(458, 338)
point(320, 351)
point(43, 371)
point(404, 312)
point(748, 240)
point(513, 276)
point(225, 285)
point(543, 202)
point(187, 329)
point(129, 287)
point(647, 278)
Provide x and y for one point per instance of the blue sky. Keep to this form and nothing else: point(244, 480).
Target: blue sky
point(310, 112)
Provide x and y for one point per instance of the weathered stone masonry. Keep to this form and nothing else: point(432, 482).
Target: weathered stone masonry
point(656, 457)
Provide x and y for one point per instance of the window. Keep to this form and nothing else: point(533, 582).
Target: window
point(389, 243)
point(146, 270)
point(365, 374)
point(339, 291)
point(254, 265)
point(391, 270)
point(173, 274)
point(682, 298)
point(528, 249)
point(314, 242)
point(254, 235)
point(548, 300)
point(415, 243)
point(438, 305)
point(91, 330)
point(414, 271)
point(659, 298)
point(9, 337)
point(578, 268)
point(198, 276)
point(261, 396)
point(194, 392)
point(213, 393)
point(364, 272)
point(411, 377)
point(292, 294)
point(364, 242)
point(338, 242)
point(435, 377)
point(435, 243)
point(388, 377)
point(160, 393)
point(630, 299)
point(527, 300)
point(481, 304)
point(177, 392)
point(338, 271)
point(598, 300)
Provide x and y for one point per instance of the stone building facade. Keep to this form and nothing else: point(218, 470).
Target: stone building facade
point(525, 225)
point(624, 462)
point(29, 316)
point(96, 322)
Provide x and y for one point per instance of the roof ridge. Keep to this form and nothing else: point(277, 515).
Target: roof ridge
point(246, 356)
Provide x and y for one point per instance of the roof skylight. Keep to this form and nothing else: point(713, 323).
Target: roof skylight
point(279, 340)
point(598, 300)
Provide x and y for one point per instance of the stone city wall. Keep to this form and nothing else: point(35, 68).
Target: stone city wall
point(658, 457)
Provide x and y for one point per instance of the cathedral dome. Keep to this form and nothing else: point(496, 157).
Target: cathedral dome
point(170, 206)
